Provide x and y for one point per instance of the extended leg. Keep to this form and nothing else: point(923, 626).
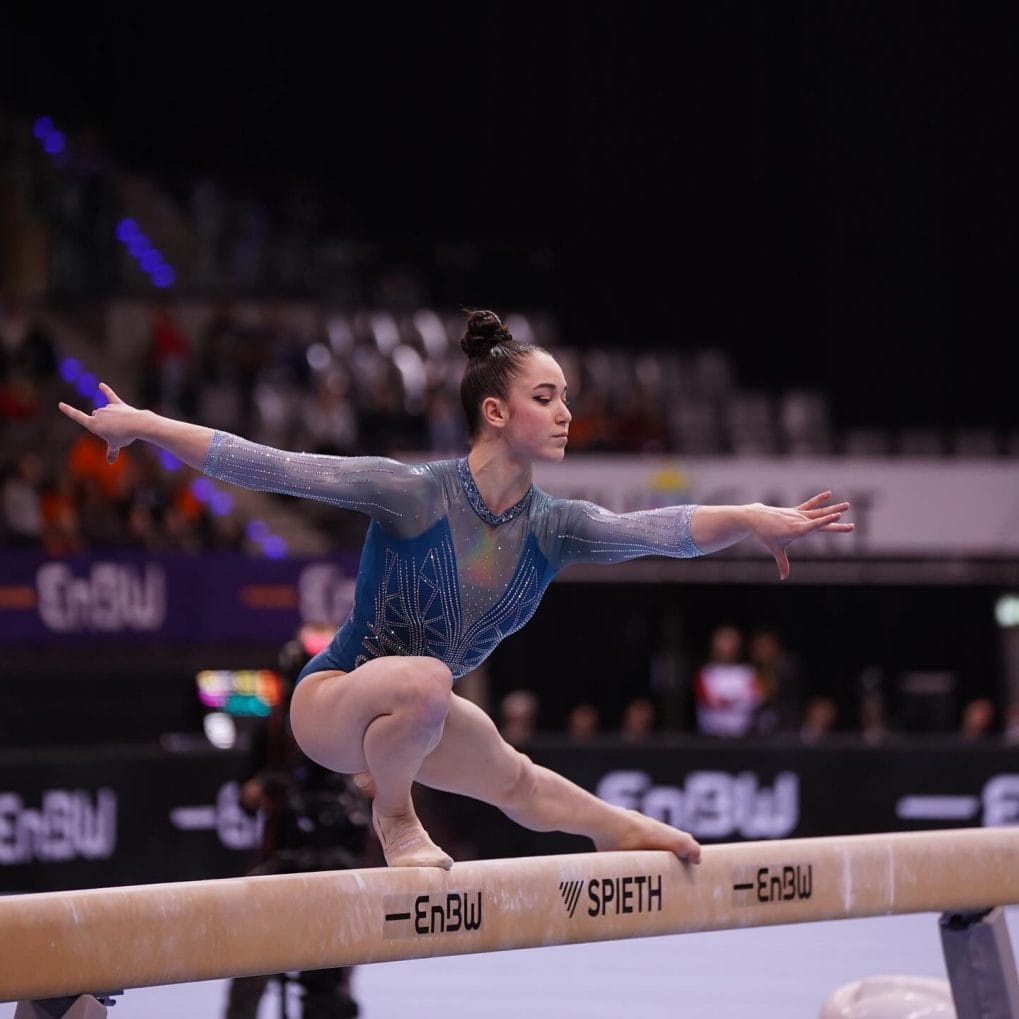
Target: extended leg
point(474, 760)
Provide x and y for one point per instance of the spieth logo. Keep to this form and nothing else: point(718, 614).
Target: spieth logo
point(113, 597)
point(641, 893)
point(68, 825)
point(711, 804)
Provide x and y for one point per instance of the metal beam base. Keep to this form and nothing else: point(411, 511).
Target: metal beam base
point(981, 964)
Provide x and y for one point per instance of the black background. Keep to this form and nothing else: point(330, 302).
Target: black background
point(825, 189)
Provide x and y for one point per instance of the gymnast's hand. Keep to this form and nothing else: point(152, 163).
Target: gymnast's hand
point(776, 527)
point(116, 424)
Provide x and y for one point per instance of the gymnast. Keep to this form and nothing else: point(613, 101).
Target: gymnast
point(456, 557)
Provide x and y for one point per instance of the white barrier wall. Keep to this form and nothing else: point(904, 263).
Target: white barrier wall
point(927, 509)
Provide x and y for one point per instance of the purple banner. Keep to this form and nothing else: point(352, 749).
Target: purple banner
point(220, 597)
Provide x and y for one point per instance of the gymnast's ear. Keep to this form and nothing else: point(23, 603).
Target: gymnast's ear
point(494, 412)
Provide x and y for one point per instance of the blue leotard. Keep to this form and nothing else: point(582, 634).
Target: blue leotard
point(440, 574)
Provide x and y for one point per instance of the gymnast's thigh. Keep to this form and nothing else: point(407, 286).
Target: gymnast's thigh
point(330, 710)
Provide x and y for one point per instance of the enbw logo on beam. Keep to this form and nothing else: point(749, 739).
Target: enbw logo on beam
point(788, 883)
point(449, 913)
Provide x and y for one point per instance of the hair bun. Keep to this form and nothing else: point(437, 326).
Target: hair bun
point(484, 331)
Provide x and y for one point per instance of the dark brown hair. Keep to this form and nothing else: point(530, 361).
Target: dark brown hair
point(493, 359)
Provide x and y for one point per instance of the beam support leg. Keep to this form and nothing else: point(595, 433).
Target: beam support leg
point(82, 1006)
point(981, 965)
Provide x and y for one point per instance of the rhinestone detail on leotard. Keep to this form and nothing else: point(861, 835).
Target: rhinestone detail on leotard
point(478, 504)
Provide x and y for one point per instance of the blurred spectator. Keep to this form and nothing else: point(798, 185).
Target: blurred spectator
point(593, 428)
point(27, 362)
point(207, 214)
point(228, 367)
point(61, 529)
point(149, 488)
point(168, 383)
point(99, 518)
point(26, 346)
point(143, 530)
point(780, 676)
point(185, 520)
point(328, 419)
point(727, 692)
point(385, 424)
point(87, 465)
point(227, 532)
point(21, 502)
point(977, 719)
point(873, 705)
point(446, 432)
point(250, 226)
point(1012, 723)
point(819, 719)
point(925, 701)
point(19, 398)
point(669, 672)
point(582, 723)
point(642, 426)
point(518, 716)
point(638, 720)
point(101, 491)
point(285, 347)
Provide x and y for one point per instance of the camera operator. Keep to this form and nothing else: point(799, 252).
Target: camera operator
point(315, 819)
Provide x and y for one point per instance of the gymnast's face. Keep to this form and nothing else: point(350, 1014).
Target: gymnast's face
point(537, 417)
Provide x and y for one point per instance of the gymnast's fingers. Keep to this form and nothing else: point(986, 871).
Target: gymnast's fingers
point(108, 392)
point(814, 501)
point(83, 419)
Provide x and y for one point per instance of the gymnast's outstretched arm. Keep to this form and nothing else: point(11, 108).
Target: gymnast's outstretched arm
point(402, 497)
point(119, 424)
point(774, 527)
point(584, 532)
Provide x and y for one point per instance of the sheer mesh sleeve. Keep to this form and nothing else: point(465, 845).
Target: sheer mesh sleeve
point(403, 498)
point(586, 533)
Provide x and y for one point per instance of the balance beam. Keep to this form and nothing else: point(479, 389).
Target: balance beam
point(63, 943)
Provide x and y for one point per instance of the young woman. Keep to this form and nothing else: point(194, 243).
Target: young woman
point(457, 556)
